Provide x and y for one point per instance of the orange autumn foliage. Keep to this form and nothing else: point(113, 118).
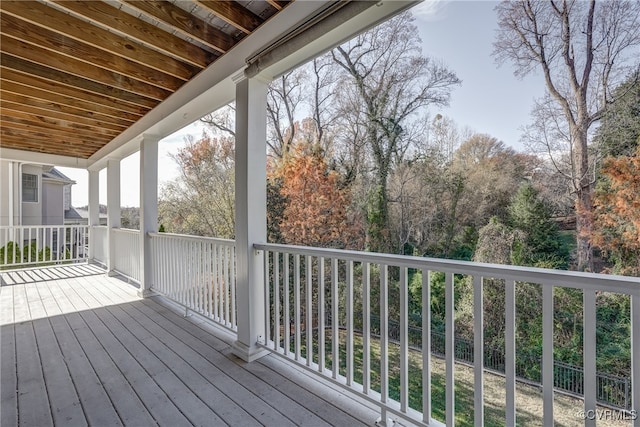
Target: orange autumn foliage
point(617, 212)
point(317, 209)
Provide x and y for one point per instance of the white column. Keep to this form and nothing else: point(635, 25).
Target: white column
point(113, 208)
point(148, 208)
point(251, 212)
point(94, 210)
point(12, 196)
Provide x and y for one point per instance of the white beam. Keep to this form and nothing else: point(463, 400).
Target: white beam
point(251, 213)
point(32, 157)
point(148, 208)
point(351, 19)
point(113, 208)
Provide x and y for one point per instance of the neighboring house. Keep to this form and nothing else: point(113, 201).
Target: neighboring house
point(81, 216)
point(33, 194)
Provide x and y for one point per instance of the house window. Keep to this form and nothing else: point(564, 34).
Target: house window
point(29, 187)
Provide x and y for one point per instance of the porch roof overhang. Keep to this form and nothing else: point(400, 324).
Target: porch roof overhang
point(84, 81)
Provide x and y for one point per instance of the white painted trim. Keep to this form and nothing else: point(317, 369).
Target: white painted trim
point(12, 192)
point(94, 212)
point(113, 208)
point(32, 157)
point(251, 213)
point(148, 207)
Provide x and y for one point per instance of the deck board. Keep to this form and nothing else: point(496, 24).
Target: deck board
point(9, 383)
point(110, 362)
point(33, 402)
point(95, 401)
point(60, 389)
point(84, 349)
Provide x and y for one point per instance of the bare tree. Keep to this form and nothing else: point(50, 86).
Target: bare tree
point(283, 100)
point(584, 49)
point(222, 121)
point(394, 83)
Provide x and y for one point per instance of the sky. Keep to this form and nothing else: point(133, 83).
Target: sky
point(460, 33)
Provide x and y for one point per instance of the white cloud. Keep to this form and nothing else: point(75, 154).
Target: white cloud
point(431, 10)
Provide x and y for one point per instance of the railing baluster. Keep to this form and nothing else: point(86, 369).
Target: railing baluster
point(335, 337)
point(184, 283)
point(635, 358)
point(296, 305)
point(232, 266)
point(308, 329)
point(321, 316)
point(449, 350)
point(192, 279)
point(208, 278)
point(227, 284)
point(478, 350)
point(267, 299)
point(589, 355)
point(547, 355)
point(221, 284)
point(285, 305)
point(199, 278)
point(276, 300)
point(510, 352)
point(64, 242)
point(384, 341)
point(404, 345)
point(426, 346)
point(173, 272)
point(215, 281)
point(366, 328)
point(349, 313)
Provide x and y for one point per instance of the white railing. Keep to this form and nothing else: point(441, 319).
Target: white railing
point(100, 243)
point(127, 252)
point(32, 245)
point(314, 298)
point(198, 273)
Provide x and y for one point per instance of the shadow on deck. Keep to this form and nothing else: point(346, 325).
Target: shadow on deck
point(83, 349)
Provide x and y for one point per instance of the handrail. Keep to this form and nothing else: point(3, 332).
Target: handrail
point(543, 276)
point(218, 240)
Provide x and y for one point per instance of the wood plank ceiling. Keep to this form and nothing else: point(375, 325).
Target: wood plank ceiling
point(75, 74)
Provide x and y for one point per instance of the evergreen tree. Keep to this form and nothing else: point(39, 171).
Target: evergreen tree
point(542, 244)
point(619, 131)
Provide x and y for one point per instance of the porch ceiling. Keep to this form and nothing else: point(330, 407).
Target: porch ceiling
point(74, 75)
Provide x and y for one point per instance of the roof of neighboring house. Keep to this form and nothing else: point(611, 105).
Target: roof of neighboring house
point(72, 213)
point(84, 213)
point(55, 175)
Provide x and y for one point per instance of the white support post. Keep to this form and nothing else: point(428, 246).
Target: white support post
point(113, 208)
point(12, 197)
point(94, 210)
point(251, 213)
point(148, 209)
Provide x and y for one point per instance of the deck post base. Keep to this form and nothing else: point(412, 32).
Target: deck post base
point(246, 353)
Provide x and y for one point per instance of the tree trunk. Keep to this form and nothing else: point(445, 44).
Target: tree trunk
point(377, 234)
point(584, 222)
point(584, 200)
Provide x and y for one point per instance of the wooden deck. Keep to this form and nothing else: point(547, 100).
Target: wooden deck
point(80, 348)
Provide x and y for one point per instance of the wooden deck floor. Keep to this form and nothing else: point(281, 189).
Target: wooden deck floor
point(80, 348)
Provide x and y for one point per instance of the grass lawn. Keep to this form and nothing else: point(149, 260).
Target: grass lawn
point(528, 398)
